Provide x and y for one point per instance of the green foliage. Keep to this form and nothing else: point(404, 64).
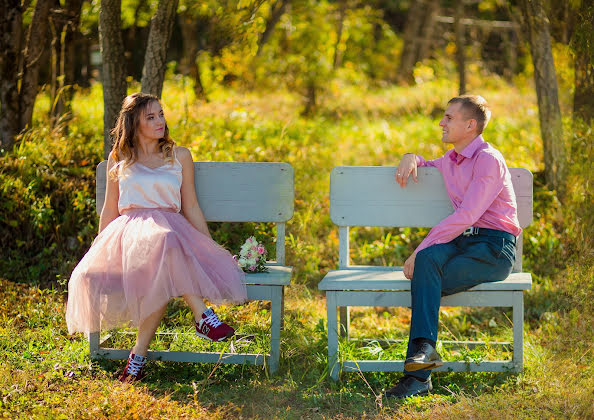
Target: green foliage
point(47, 204)
point(48, 219)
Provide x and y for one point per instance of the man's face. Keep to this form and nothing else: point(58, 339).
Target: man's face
point(456, 127)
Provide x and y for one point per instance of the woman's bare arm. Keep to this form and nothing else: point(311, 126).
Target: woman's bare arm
point(189, 202)
point(112, 194)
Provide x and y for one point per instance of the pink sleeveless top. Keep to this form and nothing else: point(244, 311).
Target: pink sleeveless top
point(142, 187)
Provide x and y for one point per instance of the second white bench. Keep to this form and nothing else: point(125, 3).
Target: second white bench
point(369, 196)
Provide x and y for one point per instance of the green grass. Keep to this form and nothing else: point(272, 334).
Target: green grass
point(48, 221)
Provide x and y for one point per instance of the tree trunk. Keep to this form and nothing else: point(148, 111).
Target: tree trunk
point(310, 99)
point(583, 104)
point(155, 56)
point(427, 30)
point(131, 34)
point(277, 12)
point(189, 65)
point(545, 80)
point(33, 50)
point(460, 57)
point(113, 66)
point(511, 54)
point(71, 38)
point(57, 22)
point(10, 24)
point(410, 41)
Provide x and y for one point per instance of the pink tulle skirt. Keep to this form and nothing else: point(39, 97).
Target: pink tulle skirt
point(139, 262)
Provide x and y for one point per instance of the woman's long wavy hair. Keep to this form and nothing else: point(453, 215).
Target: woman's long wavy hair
point(125, 133)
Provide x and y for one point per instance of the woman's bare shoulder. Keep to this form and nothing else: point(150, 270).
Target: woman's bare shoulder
point(183, 153)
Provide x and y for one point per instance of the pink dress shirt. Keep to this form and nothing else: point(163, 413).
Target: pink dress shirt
point(479, 185)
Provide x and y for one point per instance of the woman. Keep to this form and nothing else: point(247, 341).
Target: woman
point(153, 241)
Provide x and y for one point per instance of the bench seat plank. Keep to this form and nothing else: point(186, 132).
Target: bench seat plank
point(353, 279)
point(278, 275)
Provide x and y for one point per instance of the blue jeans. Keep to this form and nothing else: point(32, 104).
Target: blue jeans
point(446, 269)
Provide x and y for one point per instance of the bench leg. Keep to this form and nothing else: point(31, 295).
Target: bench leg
point(95, 336)
point(518, 325)
point(345, 319)
point(276, 317)
point(333, 366)
point(93, 344)
point(282, 324)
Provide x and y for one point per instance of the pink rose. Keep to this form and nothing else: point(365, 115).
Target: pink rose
point(252, 268)
point(261, 250)
point(249, 255)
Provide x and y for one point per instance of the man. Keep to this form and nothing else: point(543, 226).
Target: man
point(475, 244)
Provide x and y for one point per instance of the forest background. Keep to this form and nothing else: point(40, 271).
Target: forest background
point(316, 84)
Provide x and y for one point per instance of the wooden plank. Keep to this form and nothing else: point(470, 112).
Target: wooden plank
point(518, 322)
point(262, 292)
point(369, 196)
point(100, 184)
point(389, 279)
point(489, 24)
point(345, 320)
point(450, 344)
point(344, 260)
point(187, 356)
point(94, 343)
point(333, 366)
point(280, 243)
point(402, 298)
point(373, 268)
point(454, 366)
point(276, 276)
point(235, 191)
point(276, 315)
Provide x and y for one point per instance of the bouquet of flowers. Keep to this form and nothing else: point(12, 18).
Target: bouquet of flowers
point(252, 256)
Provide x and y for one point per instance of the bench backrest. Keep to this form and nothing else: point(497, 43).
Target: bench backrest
point(238, 192)
point(369, 196)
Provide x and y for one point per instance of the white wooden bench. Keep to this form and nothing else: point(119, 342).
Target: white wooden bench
point(369, 196)
point(234, 192)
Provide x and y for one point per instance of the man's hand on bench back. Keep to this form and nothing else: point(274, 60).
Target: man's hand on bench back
point(407, 166)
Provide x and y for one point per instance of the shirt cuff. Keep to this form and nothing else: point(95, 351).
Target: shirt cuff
point(420, 160)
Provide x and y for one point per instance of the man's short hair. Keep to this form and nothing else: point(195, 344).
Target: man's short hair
point(474, 107)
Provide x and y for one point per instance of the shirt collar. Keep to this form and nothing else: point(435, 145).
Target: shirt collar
point(468, 151)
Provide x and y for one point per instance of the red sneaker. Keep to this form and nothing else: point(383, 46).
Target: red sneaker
point(134, 370)
point(212, 328)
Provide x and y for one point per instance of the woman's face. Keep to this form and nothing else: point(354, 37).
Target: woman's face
point(152, 122)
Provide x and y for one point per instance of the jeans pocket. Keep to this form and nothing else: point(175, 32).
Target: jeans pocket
point(508, 250)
